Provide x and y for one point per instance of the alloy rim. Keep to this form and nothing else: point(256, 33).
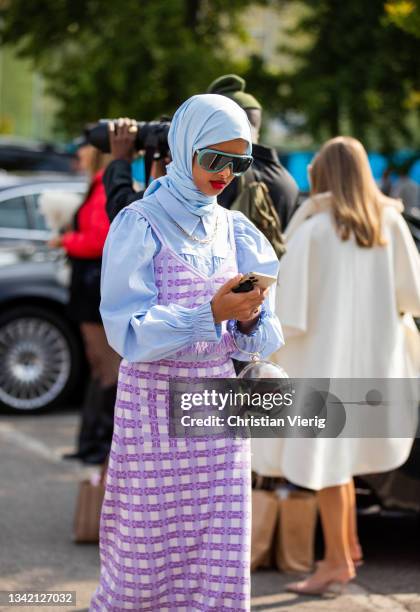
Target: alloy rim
point(35, 363)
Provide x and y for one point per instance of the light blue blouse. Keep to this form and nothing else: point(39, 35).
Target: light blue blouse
point(140, 329)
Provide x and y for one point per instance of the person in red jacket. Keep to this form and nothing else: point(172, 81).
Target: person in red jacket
point(88, 239)
point(84, 245)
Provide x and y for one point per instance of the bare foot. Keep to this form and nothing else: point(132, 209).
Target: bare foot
point(356, 554)
point(325, 579)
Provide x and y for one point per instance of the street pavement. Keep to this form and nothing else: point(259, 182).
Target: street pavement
point(37, 498)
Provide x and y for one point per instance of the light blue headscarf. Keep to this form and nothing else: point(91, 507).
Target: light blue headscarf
point(199, 122)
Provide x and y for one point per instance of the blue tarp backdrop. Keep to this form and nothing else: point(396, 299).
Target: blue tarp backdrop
point(297, 164)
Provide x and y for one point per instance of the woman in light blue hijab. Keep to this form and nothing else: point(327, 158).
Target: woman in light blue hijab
point(198, 121)
point(175, 525)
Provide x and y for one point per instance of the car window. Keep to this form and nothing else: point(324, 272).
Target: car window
point(13, 213)
point(38, 218)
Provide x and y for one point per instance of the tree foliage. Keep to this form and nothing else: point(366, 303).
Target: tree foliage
point(405, 14)
point(137, 58)
point(357, 76)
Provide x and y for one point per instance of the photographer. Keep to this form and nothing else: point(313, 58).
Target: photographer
point(118, 179)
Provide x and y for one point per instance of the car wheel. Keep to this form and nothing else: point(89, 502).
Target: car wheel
point(40, 359)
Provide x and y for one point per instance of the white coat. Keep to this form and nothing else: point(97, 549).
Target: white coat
point(341, 310)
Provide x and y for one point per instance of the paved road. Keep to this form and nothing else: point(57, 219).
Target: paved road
point(37, 493)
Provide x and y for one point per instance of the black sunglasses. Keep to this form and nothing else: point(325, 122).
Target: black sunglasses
point(212, 160)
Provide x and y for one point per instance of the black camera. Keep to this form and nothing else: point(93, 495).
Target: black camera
point(151, 136)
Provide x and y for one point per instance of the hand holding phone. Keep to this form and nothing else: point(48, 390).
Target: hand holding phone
point(253, 279)
point(242, 306)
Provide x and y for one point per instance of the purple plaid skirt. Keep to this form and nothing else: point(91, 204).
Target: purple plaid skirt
point(175, 523)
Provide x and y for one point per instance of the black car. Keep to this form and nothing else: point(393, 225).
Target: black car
point(41, 353)
point(27, 156)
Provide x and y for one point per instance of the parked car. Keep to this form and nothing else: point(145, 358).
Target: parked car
point(18, 155)
point(395, 491)
point(41, 352)
point(21, 221)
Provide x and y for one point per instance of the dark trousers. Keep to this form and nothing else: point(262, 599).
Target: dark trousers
point(97, 422)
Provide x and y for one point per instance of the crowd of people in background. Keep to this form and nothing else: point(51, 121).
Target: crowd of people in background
point(350, 272)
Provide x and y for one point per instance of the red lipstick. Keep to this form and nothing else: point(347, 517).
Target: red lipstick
point(218, 185)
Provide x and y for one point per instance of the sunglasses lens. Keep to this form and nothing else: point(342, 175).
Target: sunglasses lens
point(213, 162)
point(216, 162)
point(239, 166)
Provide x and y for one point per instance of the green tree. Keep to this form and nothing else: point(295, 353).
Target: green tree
point(357, 76)
point(137, 58)
point(405, 14)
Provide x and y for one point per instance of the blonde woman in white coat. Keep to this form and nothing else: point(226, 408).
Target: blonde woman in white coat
point(351, 270)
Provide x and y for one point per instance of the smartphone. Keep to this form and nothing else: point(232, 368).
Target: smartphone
point(254, 279)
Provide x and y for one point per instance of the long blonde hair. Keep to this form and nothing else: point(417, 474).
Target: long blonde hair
point(342, 168)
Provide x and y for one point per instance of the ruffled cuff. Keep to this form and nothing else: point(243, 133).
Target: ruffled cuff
point(255, 340)
point(232, 326)
point(203, 325)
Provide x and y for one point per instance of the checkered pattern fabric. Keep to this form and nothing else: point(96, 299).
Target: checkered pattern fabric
point(175, 524)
